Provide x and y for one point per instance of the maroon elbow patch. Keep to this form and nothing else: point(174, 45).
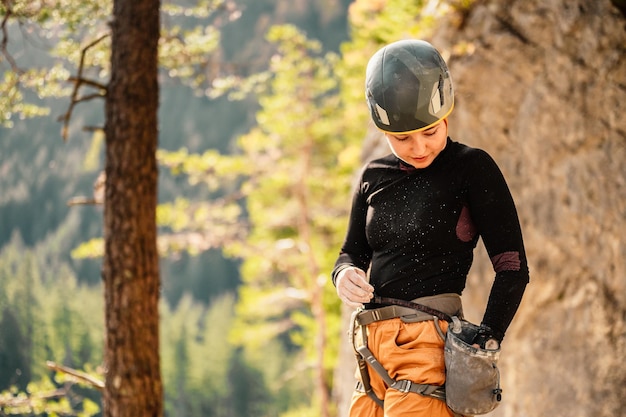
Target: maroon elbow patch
point(507, 261)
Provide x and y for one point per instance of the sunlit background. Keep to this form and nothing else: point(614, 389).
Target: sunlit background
point(262, 129)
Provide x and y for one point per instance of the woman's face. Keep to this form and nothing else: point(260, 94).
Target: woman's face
point(419, 149)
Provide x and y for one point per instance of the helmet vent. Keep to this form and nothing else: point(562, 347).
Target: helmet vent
point(382, 115)
point(436, 100)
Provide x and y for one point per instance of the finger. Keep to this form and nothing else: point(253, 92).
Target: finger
point(353, 290)
point(363, 293)
point(358, 279)
point(361, 281)
point(348, 297)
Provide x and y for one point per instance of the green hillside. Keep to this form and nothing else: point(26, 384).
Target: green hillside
point(40, 172)
point(51, 304)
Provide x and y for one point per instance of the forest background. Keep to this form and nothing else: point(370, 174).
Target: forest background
point(254, 188)
point(215, 361)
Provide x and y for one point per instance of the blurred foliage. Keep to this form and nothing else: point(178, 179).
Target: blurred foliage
point(45, 398)
point(46, 316)
point(75, 35)
point(276, 200)
point(292, 175)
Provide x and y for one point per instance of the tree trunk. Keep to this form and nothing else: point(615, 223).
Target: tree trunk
point(131, 268)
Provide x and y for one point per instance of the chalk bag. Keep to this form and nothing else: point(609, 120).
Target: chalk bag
point(472, 375)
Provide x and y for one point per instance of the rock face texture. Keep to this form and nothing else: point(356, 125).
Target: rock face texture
point(541, 85)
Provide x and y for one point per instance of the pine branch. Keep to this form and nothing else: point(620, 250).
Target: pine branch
point(78, 82)
point(82, 376)
point(5, 39)
point(83, 201)
point(85, 81)
point(16, 402)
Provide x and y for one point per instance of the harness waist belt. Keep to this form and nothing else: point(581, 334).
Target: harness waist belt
point(445, 304)
point(366, 317)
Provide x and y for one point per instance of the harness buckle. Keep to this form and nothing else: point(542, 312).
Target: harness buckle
point(403, 385)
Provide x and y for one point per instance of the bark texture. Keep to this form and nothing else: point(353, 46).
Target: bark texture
point(131, 268)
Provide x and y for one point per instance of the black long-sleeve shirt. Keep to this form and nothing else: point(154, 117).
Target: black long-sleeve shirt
point(416, 229)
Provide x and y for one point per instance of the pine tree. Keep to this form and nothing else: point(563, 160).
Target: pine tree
point(131, 262)
point(301, 164)
point(14, 361)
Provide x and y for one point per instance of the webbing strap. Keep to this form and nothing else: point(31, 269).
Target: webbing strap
point(402, 385)
point(366, 317)
point(410, 304)
point(438, 393)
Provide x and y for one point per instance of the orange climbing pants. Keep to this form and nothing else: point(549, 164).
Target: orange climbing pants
point(412, 351)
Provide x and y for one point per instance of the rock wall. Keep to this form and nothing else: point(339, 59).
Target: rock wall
point(541, 85)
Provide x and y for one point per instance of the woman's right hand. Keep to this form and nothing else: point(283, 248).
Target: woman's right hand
point(353, 288)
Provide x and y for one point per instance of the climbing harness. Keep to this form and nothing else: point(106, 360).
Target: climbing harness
point(364, 356)
point(407, 311)
point(472, 378)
